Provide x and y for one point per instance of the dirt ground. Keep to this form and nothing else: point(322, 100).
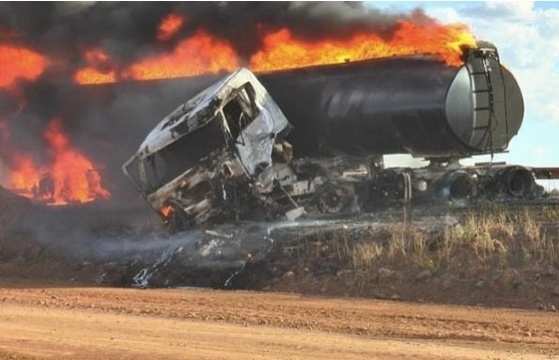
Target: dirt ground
point(61, 322)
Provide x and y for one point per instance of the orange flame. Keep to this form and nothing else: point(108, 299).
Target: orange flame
point(74, 176)
point(19, 63)
point(282, 50)
point(166, 211)
point(25, 175)
point(98, 71)
point(70, 178)
point(90, 75)
point(169, 26)
point(199, 54)
point(203, 53)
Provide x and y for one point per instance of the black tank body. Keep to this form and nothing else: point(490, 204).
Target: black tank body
point(415, 105)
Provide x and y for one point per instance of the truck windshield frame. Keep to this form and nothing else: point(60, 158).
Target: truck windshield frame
point(240, 110)
point(168, 163)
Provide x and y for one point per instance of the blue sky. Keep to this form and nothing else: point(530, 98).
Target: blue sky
point(527, 36)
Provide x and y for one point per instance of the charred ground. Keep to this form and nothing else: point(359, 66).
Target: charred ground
point(494, 256)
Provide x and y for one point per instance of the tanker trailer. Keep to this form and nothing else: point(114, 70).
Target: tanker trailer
point(414, 105)
point(230, 154)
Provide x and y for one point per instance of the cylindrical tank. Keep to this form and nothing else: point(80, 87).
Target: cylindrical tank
point(416, 105)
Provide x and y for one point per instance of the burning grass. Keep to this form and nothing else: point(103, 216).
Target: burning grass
point(70, 177)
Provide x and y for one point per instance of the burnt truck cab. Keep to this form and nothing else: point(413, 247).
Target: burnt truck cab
point(211, 153)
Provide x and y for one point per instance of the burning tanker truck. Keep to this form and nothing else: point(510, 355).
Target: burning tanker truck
point(310, 141)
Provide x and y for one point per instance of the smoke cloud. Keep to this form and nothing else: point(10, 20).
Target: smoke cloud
point(129, 30)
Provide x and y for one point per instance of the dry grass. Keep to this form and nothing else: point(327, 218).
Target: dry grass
point(492, 255)
point(488, 238)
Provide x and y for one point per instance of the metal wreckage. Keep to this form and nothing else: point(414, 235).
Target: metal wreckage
point(229, 166)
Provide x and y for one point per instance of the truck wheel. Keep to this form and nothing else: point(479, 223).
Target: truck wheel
point(519, 182)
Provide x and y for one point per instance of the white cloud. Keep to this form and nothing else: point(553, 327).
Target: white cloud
point(445, 15)
point(516, 8)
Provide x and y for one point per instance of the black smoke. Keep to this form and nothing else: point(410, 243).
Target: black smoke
point(128, 30)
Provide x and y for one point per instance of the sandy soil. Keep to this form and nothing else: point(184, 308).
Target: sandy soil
point(58, 322)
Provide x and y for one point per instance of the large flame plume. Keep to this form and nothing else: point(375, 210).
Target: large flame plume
point(204, 53)
point(283, 50)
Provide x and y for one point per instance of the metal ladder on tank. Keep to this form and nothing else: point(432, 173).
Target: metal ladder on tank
point(488, 128)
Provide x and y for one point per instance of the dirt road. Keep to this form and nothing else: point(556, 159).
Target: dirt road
point(106, 323)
